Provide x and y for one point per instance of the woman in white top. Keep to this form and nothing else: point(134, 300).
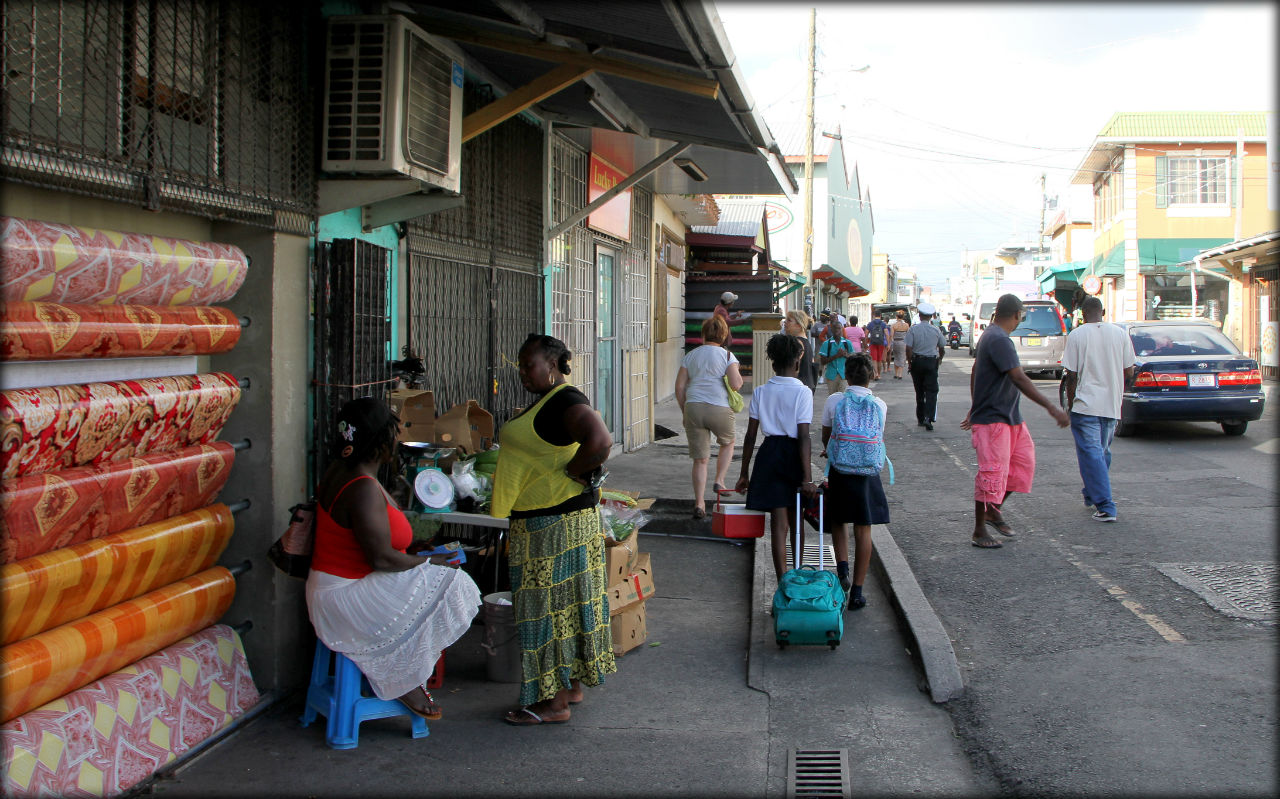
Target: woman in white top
point(703, 399)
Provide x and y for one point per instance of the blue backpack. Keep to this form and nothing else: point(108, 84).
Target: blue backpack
point(856, 445)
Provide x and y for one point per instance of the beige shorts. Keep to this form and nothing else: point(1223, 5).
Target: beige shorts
point(701, 419)
point(836, 385)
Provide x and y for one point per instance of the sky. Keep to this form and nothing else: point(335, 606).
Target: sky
point(964, 107)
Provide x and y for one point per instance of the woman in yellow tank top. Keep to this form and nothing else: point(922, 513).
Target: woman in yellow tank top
point(546, 482)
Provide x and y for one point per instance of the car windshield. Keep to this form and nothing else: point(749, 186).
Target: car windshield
point(1041, 320)
point(985, 310)
point(1174, 339)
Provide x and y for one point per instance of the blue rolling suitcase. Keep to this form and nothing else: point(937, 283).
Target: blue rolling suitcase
point(808, 606)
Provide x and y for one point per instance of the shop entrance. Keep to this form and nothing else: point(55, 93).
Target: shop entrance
point(608, 389)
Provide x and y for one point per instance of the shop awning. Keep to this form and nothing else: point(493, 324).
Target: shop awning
point(664, 72)
point(1063, 275)
point(1108, 264)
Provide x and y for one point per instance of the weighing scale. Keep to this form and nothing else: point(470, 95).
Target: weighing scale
point(432, 488)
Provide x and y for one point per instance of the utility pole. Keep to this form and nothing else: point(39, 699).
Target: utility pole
point(808, 161)
point(1044, 201)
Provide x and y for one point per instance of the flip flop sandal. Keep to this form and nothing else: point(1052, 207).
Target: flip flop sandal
point(986, 543)
point(530, 719)
point(716, 487)
point(1002, 527)
point(436, 716)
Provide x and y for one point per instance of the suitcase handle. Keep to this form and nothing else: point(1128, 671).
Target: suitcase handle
point(822, 513)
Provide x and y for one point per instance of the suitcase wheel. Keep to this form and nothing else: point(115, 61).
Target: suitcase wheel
point(782, 644)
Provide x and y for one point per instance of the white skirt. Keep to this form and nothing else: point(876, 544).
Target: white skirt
point(393, 625)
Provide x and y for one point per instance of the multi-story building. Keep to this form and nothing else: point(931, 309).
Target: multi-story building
point(1167, 186)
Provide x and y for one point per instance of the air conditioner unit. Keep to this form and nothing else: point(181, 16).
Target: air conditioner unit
point(392, 102)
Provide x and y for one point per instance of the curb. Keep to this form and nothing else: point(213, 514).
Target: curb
point(932, 644)
point(919, 620)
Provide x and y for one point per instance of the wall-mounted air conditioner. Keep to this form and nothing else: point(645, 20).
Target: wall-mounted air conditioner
point(392, 102)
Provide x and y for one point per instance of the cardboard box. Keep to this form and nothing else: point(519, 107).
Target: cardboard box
point(620, 558)
point(417, 412)
point(466, 426)
point(637, 587)
point(629, 629)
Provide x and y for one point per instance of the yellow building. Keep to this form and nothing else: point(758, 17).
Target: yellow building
point(1166, 186)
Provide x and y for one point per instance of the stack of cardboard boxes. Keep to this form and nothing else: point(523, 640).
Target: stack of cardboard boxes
point(630, 580)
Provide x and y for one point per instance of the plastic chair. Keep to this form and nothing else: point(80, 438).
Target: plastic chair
point(345, 700)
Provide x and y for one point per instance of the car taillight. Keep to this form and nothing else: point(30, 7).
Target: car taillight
point(1159, 379)
point(1250, 377)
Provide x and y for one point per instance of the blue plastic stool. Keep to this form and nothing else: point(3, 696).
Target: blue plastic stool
point(342, 700)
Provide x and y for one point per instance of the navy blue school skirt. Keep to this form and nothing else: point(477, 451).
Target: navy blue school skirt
point(855, 499)
point(775, 477)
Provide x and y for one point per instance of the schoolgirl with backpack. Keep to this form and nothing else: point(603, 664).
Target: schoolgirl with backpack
point(853, 435)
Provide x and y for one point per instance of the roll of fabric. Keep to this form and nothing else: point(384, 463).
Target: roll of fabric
point(69, 264)
point(112, 734)
point(43, 512)
point(43, 667)
point(48, 331)
point(60, 427)
point(39, 593)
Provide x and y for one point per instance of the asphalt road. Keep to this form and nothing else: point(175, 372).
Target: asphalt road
point(1089, 669)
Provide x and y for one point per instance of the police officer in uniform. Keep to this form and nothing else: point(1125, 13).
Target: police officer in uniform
point(925, 348)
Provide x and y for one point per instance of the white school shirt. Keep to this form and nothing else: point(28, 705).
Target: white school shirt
point(833, 402)
point(780, 405)
point(1098, 352)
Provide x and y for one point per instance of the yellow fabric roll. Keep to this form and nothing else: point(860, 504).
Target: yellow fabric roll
point(42, 668)
point(39, 593)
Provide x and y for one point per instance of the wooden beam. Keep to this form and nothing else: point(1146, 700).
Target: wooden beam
point(642, 73)
point(509, 105)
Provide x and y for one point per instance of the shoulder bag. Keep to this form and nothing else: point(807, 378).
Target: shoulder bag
point(291, 553)
point(736, 403)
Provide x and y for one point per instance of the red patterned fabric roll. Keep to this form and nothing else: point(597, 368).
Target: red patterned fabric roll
point(60, 427)
point(43, 512)
point(68, 264)
point(40, 593)
point(43, 667)
point(47, 331)
point(117, 731)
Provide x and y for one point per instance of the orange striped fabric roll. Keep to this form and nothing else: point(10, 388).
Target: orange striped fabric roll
point(42, 668)
point(40, 593)
point(49, 331)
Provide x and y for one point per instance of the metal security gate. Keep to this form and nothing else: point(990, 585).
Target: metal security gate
point(352, 332)
point(475, 277)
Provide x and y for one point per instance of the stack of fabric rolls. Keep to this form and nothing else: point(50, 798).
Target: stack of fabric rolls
point(111, 658)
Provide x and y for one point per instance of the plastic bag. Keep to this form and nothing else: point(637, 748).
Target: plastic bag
point(620, 523)
point(465, 481)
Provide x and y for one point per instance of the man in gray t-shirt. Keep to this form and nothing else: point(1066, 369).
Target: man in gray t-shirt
point(1006, 453)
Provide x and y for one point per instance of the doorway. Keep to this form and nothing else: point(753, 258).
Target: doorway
point(608, 389)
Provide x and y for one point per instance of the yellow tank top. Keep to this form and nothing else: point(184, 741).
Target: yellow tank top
point(530, 472)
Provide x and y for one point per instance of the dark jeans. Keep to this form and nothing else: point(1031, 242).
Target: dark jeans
point(924, 375)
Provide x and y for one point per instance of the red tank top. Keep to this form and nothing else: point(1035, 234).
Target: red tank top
point(336, 550)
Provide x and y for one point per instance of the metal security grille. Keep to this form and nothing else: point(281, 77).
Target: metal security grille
point(636, 323)
point(352, 331)
point(819, 772)
point(475, 278)
point(572, 265)
point(173, 105)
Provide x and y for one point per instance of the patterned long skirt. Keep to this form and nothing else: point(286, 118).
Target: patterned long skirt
point(558, 593)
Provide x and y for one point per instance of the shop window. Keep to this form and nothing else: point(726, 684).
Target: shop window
point(1199, 180)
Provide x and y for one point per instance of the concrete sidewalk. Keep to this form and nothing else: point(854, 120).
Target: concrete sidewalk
point(709, 706)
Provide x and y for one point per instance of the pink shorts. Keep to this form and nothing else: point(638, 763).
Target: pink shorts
point(1006, 461)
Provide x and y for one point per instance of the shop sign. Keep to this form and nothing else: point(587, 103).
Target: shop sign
point(614, 217)
point(1092, 285)
point(777, 217)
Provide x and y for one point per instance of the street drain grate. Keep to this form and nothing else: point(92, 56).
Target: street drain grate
point(819, 772)
point(809, 557)
point(1242, 590)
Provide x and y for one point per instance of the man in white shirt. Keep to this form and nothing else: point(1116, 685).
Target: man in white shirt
point(1099, 361)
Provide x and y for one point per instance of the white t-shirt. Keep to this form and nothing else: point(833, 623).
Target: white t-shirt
point(780, 405)
point(1098, 352)
point(833, 401)
point(706, 365)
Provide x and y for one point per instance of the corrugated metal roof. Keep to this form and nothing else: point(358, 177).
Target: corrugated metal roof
point(1191, 124)
point(789, 133)
point(736, 219)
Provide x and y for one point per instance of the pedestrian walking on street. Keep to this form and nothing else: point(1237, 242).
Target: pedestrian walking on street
point(1099, 361)
point(796, 324)
point(877, 332)
point(855, 334)
point(832, 355)
point(856, 418)
point(704, 401)
point(899, 330)
point(1006, 453)
point(925, 348)
point(782, 410)
point(548, 481)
